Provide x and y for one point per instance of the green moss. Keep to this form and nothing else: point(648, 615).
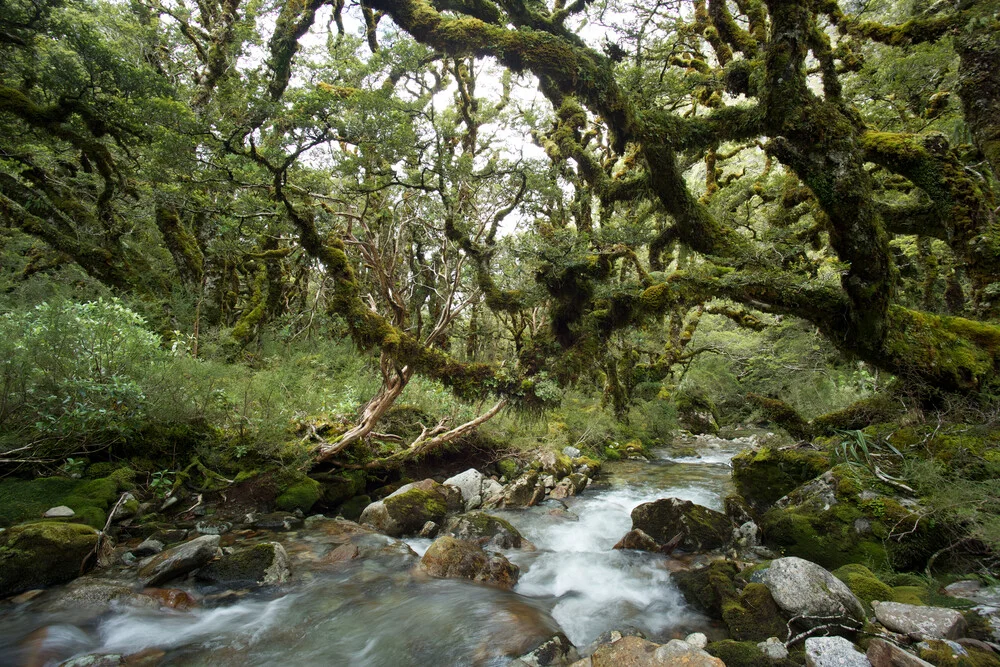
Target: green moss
point(415, 507)
point(708, 588)
point(41, 554)
point(864, 584)
point(612, 454)
point(302, 495)
point(740, 654)
point(352, 509)
point(762, 476)
point(910, 594)
point(754, 616)
point(941, 654)
point(22, 500)
point(508, 468)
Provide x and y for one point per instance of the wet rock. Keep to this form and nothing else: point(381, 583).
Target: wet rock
point(36, 555)
point(171, 598)
point(638, 540)
point(569, 486)
point(95, 660)
point(738, 509)
point(170, 535)
point(833, 652)
point(429, 530)
point(212, 527)
point(883, 654)
point(405, 511)
point(260, 565)
point(485, 530)
point(470, 484)
point(148, 547)
point(278, 521)
point(61, 512)
point(179, 560)
point(920, 622)
point(701, 528)
point(773, 649)
point(453, 558)
point(963, 589)
point(95, 595)
point(492, 492)
point(557, 465)
point(555, 651)
point(524, 491)
point(806, 590)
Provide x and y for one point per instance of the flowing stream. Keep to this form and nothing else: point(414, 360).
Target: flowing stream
point(378, 612)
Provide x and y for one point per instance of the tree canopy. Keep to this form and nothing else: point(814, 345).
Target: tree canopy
point(390, 166)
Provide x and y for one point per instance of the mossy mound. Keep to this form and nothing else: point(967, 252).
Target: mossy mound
point(25, 500)
point(353, 508)
point(508, 467)
point(744, 654)
point(763, 476)
point(707, 588)
point(754, 615)
point(301, 494)
point(35, 555)
point(864, 584)
point(342, 486)
point(940, 653)
point(839, 518)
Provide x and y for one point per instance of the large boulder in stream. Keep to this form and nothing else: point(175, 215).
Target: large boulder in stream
point(700, 528)
point(36, 555)
point(178, 561)
point(259, 565)
point(461, 559)
point(405, 511)
point(763, 475)
point(484, 529)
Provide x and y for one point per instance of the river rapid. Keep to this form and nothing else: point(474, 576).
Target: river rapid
point(377, 612)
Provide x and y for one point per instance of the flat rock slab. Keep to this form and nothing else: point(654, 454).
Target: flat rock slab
point(61, 512)
point(883, 654)
point(179, 560)
point(919, 621)
point(833, 652)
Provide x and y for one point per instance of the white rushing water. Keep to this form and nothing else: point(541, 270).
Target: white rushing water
point(377, 613)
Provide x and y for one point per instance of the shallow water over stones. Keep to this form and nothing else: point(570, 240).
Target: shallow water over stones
point(356, 599)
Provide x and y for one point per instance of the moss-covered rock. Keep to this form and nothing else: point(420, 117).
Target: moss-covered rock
point(864, 584)
point(35, 555)
point(707, 588)
point(754, 615)
point(508, 467)
point(454, 558)
point(696, 412)
point(944, 654)
point(743, 654)
point(260, 564)
point(764, 475)
point(484, 529)
point(302, 494)
point(701, 528)
point(839, 518)
point(405, 511)
point(341, 486)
